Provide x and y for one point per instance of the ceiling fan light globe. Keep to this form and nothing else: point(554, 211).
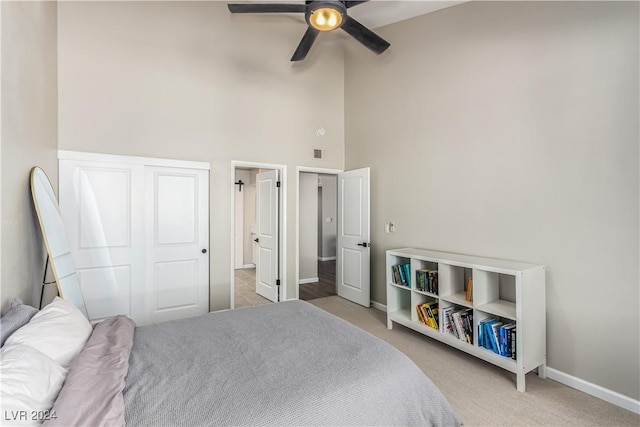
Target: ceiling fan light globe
point(325, 19)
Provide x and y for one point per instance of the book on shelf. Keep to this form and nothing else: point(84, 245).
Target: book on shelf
point(394, 274)
point(467, 324)
point(505, 337)
point(400, 274)
point(427, 280)
point(428, 314)
point(452, 321)
point(421, 314)
point(462, 324)
point(445, 315)
point(407, 273)
point(497, 336)
point(468, 295)
point(433, 311)
point(487, 333)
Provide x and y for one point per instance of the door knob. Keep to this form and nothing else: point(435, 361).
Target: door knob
point(204, 251)
point(256, 240)
point(365, 245)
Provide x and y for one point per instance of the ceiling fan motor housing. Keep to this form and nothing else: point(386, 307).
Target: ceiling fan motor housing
point(320, 6)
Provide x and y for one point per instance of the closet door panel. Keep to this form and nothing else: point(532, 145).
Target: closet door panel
point(177, 242)
point(102, 207)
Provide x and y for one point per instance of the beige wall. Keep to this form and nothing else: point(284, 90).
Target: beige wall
point(510, 130)
point(187, 80)
point(29, 138)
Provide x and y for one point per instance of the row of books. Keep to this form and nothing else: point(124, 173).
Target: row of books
point(427, 280)
point(459, 322)
point(428, 314)
point(401, 274)
point(498, 337)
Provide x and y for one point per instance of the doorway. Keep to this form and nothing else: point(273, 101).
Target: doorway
point(257, 244)
point(244, 238)
point(317, 228)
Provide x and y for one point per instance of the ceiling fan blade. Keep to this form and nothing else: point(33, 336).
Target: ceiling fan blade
point(349, 4)
point(364, 35)
point(305, 44)
point(266, 8)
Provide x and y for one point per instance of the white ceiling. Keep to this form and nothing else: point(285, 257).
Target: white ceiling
point(377, 13)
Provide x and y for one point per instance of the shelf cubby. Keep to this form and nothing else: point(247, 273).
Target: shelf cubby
point(395, 261)
point(494, 293)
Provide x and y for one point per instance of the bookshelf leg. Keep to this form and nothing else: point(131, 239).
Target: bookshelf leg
point(520, 382)
point(542, 371)
point(389, 324)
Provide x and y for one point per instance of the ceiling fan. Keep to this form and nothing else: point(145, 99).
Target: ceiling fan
point(321, 15)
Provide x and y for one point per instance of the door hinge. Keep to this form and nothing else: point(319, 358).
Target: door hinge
point(277, 282)
point(278, 184)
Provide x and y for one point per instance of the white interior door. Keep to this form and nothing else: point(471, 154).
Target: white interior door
point(102, 207)
point(267, 272)
point(177, 243)
point(353, 249)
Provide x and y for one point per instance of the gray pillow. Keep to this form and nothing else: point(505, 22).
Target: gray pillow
point(18, 316)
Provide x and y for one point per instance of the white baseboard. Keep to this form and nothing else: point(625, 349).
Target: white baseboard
point(326, 258)
point(595, 390)
point(377, 305)
point(245, 266)
point(310, 280)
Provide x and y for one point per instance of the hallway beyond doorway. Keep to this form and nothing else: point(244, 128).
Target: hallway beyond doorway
point(245, 286)
point(244, 292)
point(325, 287)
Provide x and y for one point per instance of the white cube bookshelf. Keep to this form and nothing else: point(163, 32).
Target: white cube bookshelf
point(507, 290)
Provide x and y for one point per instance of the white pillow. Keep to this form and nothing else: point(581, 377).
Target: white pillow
point(59, 331)
point(30, 382)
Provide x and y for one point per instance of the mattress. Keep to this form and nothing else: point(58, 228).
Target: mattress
point(289, 363)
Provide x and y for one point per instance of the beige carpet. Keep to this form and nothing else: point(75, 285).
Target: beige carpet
point(482, 394)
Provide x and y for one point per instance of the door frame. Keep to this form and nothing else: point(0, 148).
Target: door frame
point(282, 232)
point(299, 170)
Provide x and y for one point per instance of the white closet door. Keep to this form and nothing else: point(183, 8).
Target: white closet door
point(102, 208)
point(177, 244)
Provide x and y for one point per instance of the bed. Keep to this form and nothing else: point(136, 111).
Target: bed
point(289, 363)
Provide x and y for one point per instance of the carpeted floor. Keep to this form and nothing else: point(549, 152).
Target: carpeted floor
point(482, 394)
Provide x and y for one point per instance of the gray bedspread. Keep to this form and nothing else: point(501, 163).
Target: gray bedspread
point(278, 364)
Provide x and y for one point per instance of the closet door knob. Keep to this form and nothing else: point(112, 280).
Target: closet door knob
point(204, 251)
